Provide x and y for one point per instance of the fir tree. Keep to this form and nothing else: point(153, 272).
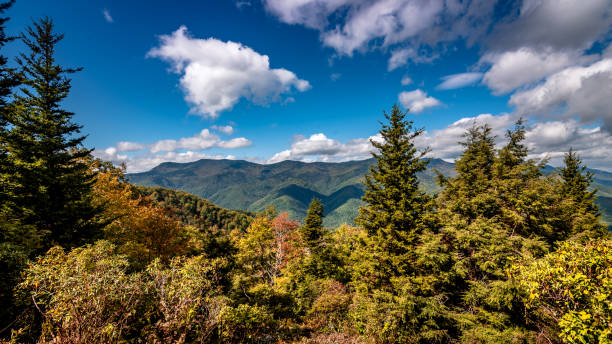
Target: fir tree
point(50, 178)
point(468, 192)
point(576, 180)
point(395, 202)
point(398, 266)
point(581, 212)
point(312, 231)
point(8, 81)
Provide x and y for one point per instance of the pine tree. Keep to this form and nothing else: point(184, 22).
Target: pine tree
point(8, 81)
point(576, 180)
point(395, 203)
point(498, 209)
point(50, 178)
point(468, 192)
point(312, 231)
point(581, 212)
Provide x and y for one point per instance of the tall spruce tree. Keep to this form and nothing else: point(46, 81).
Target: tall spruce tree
point(312, 231)
point(8, 81)
point(468, 194)
point(498, 209)
point(395, 202)
point(581, 212)
point(398, 266)
point(50, 179)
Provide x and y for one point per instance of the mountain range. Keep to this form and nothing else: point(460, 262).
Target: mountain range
point(291, 185)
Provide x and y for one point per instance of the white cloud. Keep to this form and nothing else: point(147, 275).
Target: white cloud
point(400, 57)
point(225, 129)
point(406, 81)
point(561, 25)
point(216, 74)
point(107, 16)
point(514, 69)
point(417, 101)
point(318, 147)
point(335, 76)
point(110, 154)
point(356, 25)
point(575, 91)
point(238, 142)
point(444, 142)
point(459, 80)
point(126, 146)
point(203, 140)
point(311, 13)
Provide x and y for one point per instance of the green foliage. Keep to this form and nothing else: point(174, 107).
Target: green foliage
point(48, 180)
point(312, 230)
point(395, 204)
point(581, 211)
point(189, 298)
point(84, 296)
point(568, 292)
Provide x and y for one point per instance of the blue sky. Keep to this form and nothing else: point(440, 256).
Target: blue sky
point(267, 80)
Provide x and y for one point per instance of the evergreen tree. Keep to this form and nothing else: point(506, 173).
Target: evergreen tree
point(312, 231)
point(514, 152)
point(8, 80)
point(395, 203)
point(398, 266)
point(49, 175)
point(576, 180)
point(581, 214)
point(498, 209)
point(467, 193)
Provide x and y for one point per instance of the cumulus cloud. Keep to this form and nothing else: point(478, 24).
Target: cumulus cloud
point(126, 146)
point(217, 74)
point(459, 80)
point(406, 81)
point(110, 154)
point(513, 69)
point(318, 147)
point(410, 25)
point(559, 25)
point(107, 16)
point(238, 142)
point(203, 140)
point(417, 101)
point(225, 129)
point(575, 91)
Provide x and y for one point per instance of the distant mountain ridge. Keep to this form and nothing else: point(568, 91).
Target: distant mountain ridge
point(291, 185)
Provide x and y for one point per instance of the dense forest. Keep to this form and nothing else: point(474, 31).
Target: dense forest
point(501, 254)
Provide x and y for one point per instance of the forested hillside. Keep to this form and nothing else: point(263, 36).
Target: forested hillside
point(288, 185)
point(291, 185)
point(194, 211)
